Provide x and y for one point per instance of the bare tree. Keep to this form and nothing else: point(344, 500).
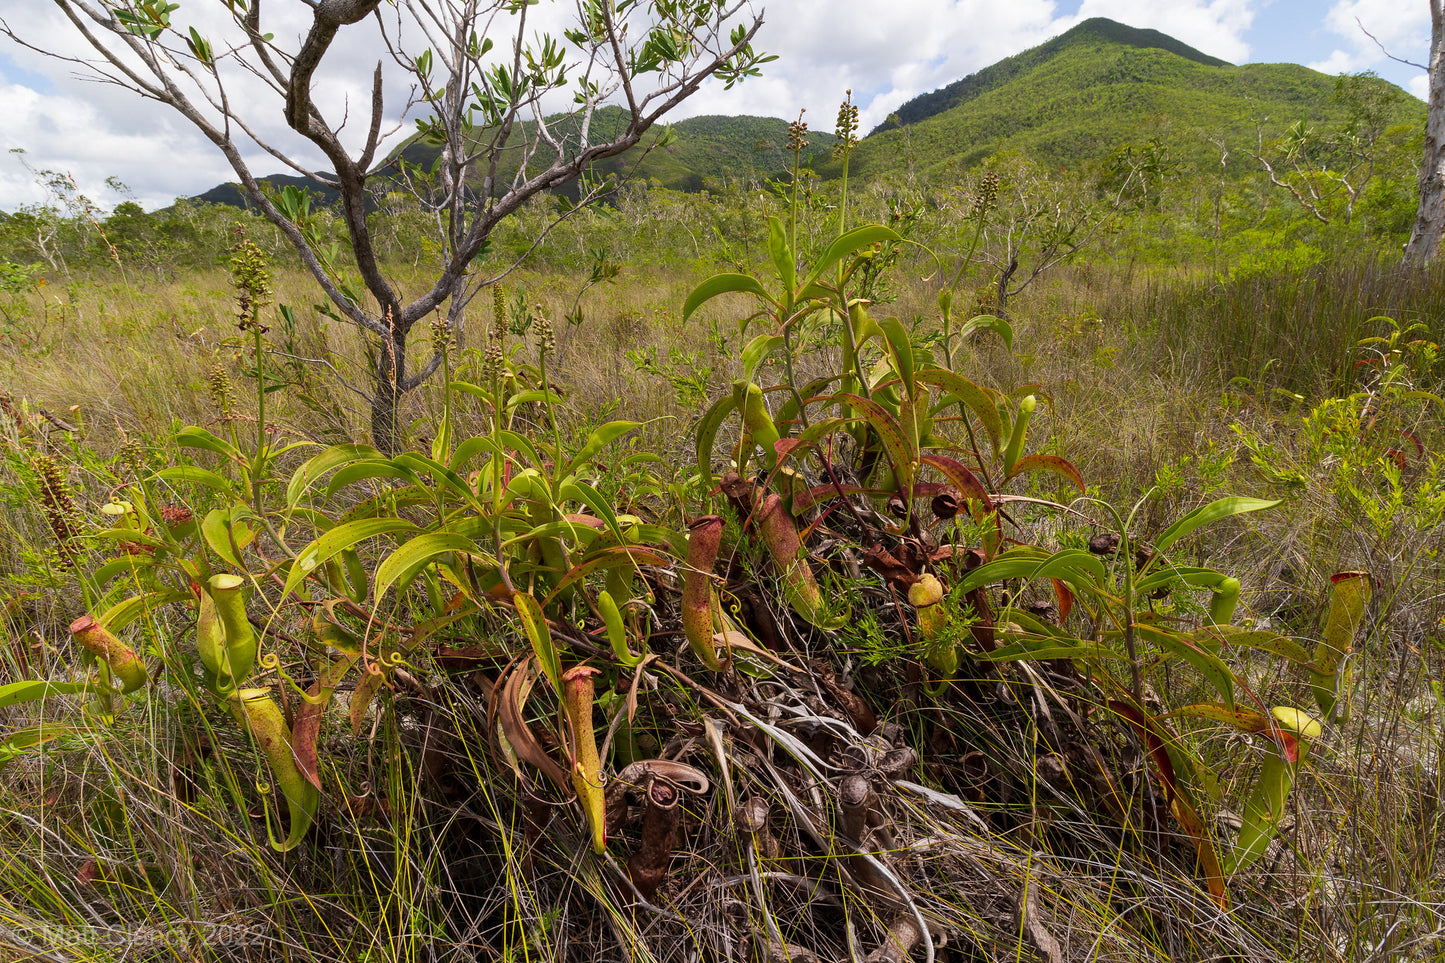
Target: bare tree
point(479, 75)
point(1424, 243)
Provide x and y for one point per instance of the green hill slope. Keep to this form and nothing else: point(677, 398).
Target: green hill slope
point(700, 149)
point(1101, 85)
point(1074, 99)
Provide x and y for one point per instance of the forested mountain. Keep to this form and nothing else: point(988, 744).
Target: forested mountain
point(1078, 98)
point(1101, 86)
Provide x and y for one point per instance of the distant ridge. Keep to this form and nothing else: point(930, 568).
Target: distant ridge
point(1075, 99)
point(1093, 30)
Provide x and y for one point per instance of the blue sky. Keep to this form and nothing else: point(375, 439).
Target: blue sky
point(886, 53)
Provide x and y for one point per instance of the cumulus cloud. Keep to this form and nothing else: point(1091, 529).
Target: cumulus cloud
point(1402, 28)
point(1214, 27)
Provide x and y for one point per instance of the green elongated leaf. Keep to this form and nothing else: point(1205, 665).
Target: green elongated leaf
point(344, 536)
point(788, 411)
point(613, 557)
point(903, 456)
point(1079, 568)
point(193, 437)
point(1206, 663)
point(402, 565)
point(125, 612)
point(820, 430)
point(18, 692)
point(850, 243)
point(900, 352)
point(131, 535)
point(1032, 625)
point(1016, 563)
point(19, 740)
point(1049, 463)
point(1243, 719)
point(470, 449)
point(582, 535)
point(981, 401)
point(1036, 649)
point(329, 460)
point(196, 475)
point(599, 438)
point(987, 322)
point(442, 475)
point(582, 492)
point(532, 396)
point(366, 470)
point(226, 534)
point(1199, 578)
point(534, 623)
point(706, 431)
point(720, 284)
point(512, 441)
point(757, 351)
point(1270, 642)
point(1207, 514)
point(124, 565)
point(782, 255)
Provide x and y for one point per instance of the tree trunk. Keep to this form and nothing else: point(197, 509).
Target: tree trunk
point(1424, 242)
point(390, 377)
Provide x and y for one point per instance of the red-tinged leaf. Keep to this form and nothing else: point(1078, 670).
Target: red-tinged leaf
point(1414, 439)
point(366, 688)
point(1066, 598)
point(508, 699)
point(1245, 720)
point(961, 478)
point(1049, 463)
point(591, 521)
point(307, 726)
point(1163, 765)
point(1188, 817)
point(1287, 742)
point(604, 558)
point(806, 500)
point(447, 654)
point(902, 454)
point(784, 447)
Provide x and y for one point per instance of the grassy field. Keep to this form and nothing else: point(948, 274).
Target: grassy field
point(385, 740)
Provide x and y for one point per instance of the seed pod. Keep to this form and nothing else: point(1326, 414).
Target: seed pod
point(577, 695)
point(780, 536)
point(262, 718)
point(120, 658)
point(704, 539)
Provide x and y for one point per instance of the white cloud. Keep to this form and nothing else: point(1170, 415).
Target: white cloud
point(1338, 62)
point(1402, 28)
point(1214, 27)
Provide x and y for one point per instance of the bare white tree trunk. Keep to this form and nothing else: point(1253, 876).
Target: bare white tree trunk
point(1425, 239)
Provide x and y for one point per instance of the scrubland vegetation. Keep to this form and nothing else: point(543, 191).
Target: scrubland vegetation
point(1022, 564)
